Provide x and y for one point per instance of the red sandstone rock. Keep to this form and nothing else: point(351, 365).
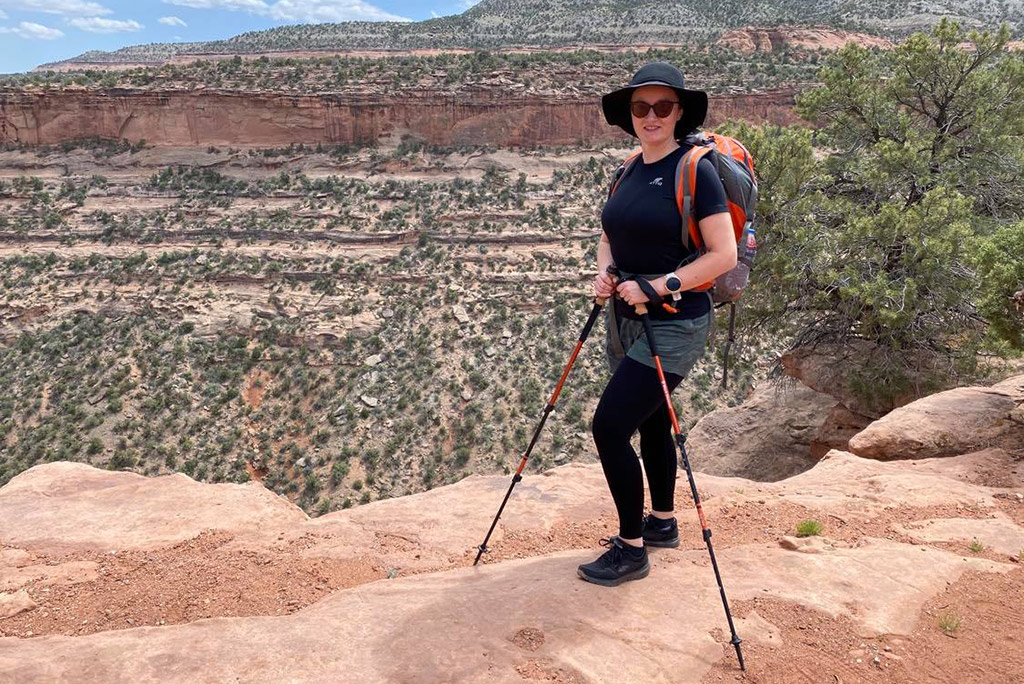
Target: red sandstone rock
point(754, 39)
point(224, 118)
point(945, 424)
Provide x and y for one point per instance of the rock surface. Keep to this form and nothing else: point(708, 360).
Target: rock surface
point(768, 437)
point(839, 427)
point(505, 620)
point(111, 510)
point(827, 369)
point(756, 39)
point(12, 604)
point(945, 424)
point(1002, 536)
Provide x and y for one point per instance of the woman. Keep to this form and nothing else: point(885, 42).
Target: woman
point(642, 235)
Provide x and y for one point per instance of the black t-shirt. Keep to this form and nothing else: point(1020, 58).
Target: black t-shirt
point(644, 228)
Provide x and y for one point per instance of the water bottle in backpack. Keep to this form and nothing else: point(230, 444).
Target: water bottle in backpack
point(730, 285)
point(750, 249)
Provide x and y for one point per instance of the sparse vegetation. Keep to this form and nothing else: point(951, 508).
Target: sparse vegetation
point(157, 371)
point(949, 623)
point(809, 528)
point(591, 73)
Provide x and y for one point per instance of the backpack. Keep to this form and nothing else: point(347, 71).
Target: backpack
point(735, 168)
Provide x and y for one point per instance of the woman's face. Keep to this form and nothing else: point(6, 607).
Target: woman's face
point(652, 130)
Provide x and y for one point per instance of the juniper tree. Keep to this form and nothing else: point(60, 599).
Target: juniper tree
point(896, 227)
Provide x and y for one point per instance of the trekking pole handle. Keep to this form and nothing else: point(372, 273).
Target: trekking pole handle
point(611, 270)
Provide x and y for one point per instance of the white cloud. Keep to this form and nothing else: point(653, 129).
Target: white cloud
point(251, 6)
point(308, 11)
point(32, 31)
point(2, 14)
point(330, 10)
point(98, 25)
point(65, 7)
point(172, 21)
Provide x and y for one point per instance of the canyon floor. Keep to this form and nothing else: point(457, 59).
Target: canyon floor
point(115, 577)
point(344, 325)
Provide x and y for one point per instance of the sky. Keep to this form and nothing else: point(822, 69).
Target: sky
point(33, 32)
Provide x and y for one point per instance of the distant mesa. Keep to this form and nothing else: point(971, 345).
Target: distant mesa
point(553, 24)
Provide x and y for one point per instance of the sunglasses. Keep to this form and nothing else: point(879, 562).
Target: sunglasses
point(662, 108)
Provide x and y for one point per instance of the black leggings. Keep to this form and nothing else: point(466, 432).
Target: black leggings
point(634, 400)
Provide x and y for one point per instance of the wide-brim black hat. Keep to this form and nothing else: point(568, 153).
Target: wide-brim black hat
point(693, 102)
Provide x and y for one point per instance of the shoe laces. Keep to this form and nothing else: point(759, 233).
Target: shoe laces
point(616, 549)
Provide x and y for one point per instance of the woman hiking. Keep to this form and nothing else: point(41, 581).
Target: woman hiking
point(642, 237)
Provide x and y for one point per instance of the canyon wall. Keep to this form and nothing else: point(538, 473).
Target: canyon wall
point(226, 118)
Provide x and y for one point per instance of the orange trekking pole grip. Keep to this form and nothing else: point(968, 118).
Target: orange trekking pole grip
point(680, 439)
point(598, 304)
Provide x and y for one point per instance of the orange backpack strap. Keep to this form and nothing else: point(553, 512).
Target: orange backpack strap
point(623, 170)
point(686, 184)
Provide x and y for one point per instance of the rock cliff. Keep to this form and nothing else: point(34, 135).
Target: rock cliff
point(762, 39)
point(436, 118)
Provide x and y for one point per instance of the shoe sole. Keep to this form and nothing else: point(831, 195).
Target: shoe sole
point(663, 544)
point(635, 575)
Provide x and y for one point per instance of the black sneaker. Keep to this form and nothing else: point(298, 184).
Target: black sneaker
point(661, 533)
point(620, 563)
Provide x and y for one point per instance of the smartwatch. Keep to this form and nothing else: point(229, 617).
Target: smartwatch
point(672, 283)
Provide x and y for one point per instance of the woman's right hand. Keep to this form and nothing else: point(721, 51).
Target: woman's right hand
point(604, 285)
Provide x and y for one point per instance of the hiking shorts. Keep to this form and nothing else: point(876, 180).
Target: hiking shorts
point(680, 342)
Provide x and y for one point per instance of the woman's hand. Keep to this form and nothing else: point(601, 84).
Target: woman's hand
point(604, 285)
point(631, 293)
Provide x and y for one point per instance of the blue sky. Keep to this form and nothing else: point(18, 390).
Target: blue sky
point(33, 32)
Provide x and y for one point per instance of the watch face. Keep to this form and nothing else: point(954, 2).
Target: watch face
point(672, 283)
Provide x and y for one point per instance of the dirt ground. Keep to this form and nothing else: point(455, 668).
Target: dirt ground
point(197, 579)
point(985, 647)
point(186, 582)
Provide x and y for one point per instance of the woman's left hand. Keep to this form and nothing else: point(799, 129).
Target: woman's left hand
point(631, 293)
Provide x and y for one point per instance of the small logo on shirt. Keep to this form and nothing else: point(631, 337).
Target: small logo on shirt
point(656, 181)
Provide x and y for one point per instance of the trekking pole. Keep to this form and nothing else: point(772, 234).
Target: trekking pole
point(681, 442)
point(598, 303)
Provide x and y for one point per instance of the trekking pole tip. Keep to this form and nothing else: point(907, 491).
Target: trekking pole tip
point(739, 654)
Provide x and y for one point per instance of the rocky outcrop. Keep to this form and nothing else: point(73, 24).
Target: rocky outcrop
point(768, 437)
point(757, 39)
point(828, 369)
point(837, 430)
point(511, 621)
point(524, 619)
point(947, 423)
point(177, 118)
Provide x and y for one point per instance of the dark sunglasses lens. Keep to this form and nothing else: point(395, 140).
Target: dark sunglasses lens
point(661, 109)
point(640, 109)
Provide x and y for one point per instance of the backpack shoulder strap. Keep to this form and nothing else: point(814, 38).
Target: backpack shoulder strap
point(686, 183)
point(621, 172)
